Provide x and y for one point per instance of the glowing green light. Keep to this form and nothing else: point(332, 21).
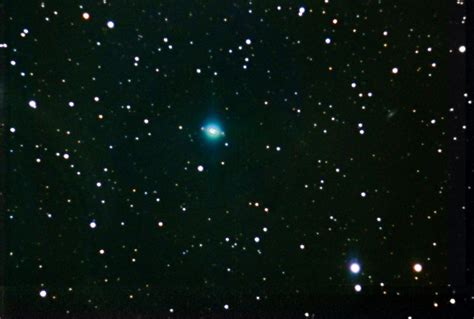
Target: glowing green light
point(213, 131)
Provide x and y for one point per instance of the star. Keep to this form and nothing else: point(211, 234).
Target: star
point(355, 268)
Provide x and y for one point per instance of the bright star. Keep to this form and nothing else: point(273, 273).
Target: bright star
point(355, 268)
point(417, 267)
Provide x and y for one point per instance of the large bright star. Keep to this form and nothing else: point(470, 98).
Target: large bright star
point(212, 131)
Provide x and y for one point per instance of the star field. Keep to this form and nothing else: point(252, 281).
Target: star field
point(226, 158)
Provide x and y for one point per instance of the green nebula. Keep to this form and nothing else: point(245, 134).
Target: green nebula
point(213, 131)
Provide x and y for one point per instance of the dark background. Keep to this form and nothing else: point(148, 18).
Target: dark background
point(295, 93)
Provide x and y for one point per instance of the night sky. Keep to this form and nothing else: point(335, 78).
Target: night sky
point(225, 157)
